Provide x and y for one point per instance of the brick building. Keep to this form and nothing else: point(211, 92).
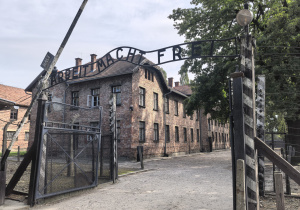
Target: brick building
point(150, 110)
point(13, 105)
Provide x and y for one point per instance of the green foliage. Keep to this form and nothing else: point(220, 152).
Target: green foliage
point(164, 74)
point(184, 78)
point(275, 23)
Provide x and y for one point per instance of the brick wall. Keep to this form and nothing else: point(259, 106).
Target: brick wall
point(5, 115)
point(129, 120)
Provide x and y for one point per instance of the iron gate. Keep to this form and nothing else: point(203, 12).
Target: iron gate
point(68, 149)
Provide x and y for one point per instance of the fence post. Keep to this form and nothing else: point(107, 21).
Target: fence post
point(261, 131)
point(2, 185)
point(240, 185)
point(18, 153)
point(238, 118)
point(279, 191)
point(289, 156)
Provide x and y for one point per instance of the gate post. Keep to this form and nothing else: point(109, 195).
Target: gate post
point(247, 66)
point(238, 129)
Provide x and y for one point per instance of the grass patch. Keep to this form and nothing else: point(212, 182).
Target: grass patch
point(13, 154)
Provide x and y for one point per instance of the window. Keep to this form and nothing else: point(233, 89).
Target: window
point(14, 114)
point(9, 135)
point(167, 133)
point(198, 135)
point(75, 98)
point(216, 137)
point(192, 135)
point(176, 108)
point(197, 115)
point(156, 132)
point(117, 91)
point(26, 136)
point(223, 137)
point(95, 97)
point(213, 136)
point(167, 105)
point(176, 134)
point(209, 124)
point(183, 111)
point(142, 97)
point(184, 135)
point(155, 101)
point(142, 131)
point(146, 73)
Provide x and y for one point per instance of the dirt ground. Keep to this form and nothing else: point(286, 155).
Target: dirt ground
point(199, 181)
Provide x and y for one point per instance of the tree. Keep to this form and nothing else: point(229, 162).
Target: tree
point(275, 23)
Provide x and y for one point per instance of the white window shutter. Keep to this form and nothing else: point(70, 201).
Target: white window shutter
point(89, 101)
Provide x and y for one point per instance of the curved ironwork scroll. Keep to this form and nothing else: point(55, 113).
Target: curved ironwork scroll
point(198, 49)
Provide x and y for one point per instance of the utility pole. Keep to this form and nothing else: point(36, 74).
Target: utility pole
point(42, 85)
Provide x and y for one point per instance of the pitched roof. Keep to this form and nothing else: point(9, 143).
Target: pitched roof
point(14, 96)
point(185, 89)
point(117, 69)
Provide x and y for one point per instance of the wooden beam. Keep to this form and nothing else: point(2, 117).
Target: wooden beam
point(281, 163)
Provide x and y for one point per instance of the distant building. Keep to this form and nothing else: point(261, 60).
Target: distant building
point(150, 112)
point(13, 105)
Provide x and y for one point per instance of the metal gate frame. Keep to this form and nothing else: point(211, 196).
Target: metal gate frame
point(65, 128)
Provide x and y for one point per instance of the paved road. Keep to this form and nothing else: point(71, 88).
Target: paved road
point(199, 181)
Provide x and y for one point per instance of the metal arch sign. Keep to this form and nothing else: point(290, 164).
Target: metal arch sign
point(198, 49)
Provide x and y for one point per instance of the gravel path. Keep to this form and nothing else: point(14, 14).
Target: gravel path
point(198, 181)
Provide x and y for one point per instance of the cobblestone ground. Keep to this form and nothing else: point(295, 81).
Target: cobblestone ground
point(199, 181)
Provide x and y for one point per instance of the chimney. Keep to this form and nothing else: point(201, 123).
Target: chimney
point(78, 61)
point(93, 61)
point(176, 84)
point(170, 81)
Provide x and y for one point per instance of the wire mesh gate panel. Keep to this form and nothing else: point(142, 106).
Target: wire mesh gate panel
point(68, 149)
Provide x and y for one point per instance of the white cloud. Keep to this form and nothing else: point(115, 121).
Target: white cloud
point(30, 28)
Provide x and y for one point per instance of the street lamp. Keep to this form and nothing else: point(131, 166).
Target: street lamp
point(244, 17)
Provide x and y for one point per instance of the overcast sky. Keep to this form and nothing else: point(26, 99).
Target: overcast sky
point(31, 28)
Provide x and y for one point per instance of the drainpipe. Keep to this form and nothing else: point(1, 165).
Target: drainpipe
point(164, 109)
point(65, 93)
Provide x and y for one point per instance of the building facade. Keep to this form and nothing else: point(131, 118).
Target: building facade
point(150, 110)
point(13, 105)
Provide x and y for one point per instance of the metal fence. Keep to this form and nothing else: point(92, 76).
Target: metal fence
point(68, 149)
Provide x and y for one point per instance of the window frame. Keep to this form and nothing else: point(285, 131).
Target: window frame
point(156, 132)
point(142, 131)
point(167, 105)
point(117, 90)
point(176, 107)
point(184, 135)
point(142, 97)
point(167, 133)
point(176, 134)
point(95, 96)
point(14, 114)
point(75, 98)
point(155, 101)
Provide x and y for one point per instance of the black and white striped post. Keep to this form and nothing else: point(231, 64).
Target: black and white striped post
point(248, 118)
point(260, 101)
